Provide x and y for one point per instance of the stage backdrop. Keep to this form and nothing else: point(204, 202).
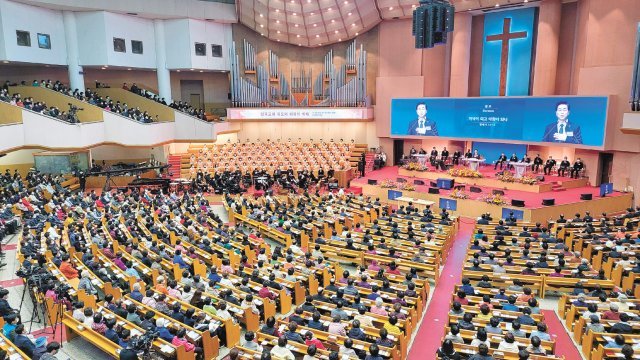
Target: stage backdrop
point(574, 120)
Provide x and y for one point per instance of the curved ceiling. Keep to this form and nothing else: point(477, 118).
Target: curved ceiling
point(322, 22)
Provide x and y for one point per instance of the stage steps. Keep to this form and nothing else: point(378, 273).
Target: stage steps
point(175, 166)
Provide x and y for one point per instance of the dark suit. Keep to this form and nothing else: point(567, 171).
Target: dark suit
point(564, 165)
point(570, 129)
point(500, 161)
point(548, 166)
point(577, 167)
point(432, 129)
point(536, 164)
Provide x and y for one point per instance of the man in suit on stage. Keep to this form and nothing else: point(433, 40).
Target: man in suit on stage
point(548, 166)
point(537, 161)
point(561, 131)
point(564, 166)
point(455, 160)
point(501, 159)
point(577, 167)
point(512, 159)
point(422, 125)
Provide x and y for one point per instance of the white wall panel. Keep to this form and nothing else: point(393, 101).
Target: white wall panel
point(34, 20)
point(92, 38)
point(130, 28)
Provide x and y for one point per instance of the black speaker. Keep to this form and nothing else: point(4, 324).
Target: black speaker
point(460, 187)
point(475, 189)
point(548, 202)
point(418, 182)
point(372, 182)
point(497, 192)
point(433, 190)
point(586, 196)
point(518, 203)
point(401, 180)
point(540, 177)
point(433, 184)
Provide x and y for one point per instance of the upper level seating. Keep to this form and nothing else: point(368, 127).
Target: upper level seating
point(177, 105)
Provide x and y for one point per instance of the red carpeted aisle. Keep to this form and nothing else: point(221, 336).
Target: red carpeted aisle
point(431, 330)
point(564, 345)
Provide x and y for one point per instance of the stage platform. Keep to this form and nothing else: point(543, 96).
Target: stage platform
point(489, 179)
point(567, 201)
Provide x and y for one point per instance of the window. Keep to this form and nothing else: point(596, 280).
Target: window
point(136, 46)
point(44, 41)
point(24, 38)
point(119, 45)
point(201, 49)
point(216, 50)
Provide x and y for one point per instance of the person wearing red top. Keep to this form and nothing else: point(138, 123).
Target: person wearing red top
point(180, 339)
point(67, 269)
point(461, 297)
point(393, 269)
point(612, 313)
point(310, 340)
point(265, 292)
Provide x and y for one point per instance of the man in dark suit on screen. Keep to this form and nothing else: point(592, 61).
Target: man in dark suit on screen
point(422, 125)
point(561, 131)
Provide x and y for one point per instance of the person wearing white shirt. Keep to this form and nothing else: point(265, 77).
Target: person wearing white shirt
point(509, 344)
point(280, 351)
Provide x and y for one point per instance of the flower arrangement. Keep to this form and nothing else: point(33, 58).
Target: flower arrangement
point(415, 166)
point(406, 186)
point(459, 194)
point(464, 172)
point(388, 184)
point(507, 176)
point(495, 199)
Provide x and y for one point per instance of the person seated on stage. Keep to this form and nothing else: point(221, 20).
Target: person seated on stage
point(577, 167)
point(456, 157)
point(423, 151)
point(548, 165)
point(476, 154)
point(501, 160)
point(513, 159)
point(564, 166)
point(537, 161)
point(433, 157)
point(525, 159)
point(468, 154)
point(444, 154)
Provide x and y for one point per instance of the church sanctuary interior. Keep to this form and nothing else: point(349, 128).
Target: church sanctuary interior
point(320, 179)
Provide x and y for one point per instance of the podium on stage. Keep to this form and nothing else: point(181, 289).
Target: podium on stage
point(473, 163)
point(421, 159)
point(519, 168)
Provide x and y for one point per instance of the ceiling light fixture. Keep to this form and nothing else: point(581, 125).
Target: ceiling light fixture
point(294, 14)
point(317, 36)
point(296, 25)
point(497, 5)
point(357, 34)
point(278, 31)
point(277, 10)
point(298, 35)
point(349, 14)
point(314, 25)
point(278, 21)
point(261, 25)
point(261, 15)
point(339, 39)
point(336, 31)
point(390, 8)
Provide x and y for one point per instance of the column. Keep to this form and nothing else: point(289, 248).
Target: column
point(546, 64)
point(460, 55)
point(164, 76)
point(76, 75)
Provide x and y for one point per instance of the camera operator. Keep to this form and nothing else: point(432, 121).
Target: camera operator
point(128, 354)
point(72, 115)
